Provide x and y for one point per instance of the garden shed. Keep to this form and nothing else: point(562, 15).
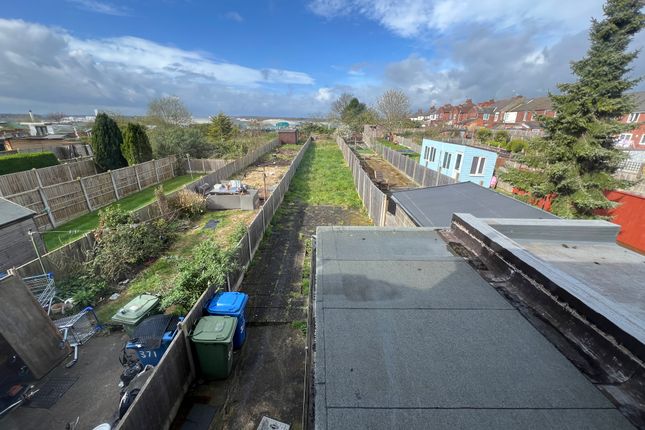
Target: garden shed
point(15, 223)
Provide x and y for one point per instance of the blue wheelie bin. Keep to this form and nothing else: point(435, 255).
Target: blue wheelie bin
point(152, 337)
point(231, 304)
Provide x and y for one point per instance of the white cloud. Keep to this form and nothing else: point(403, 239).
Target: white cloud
point(324, 94)
point(234, 16)
point(100, 7)
point(48, 67)
point(410, 18)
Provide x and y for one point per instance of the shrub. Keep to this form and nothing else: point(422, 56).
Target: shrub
point(209, 264)
point(502, 136)
point(517, 145)
point(83, 288)
point(484, 134)
point(187, 203)
point(121, 244)
point(20, 162)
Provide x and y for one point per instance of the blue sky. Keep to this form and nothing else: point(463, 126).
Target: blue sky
point(281, 57)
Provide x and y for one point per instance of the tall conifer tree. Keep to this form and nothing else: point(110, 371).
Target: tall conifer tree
point(577, 157)
point(106, 143)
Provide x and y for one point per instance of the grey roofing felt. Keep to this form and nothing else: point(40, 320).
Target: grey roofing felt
point(582, 258)
point(434, 206)
point(11, 212)
point(409, 336)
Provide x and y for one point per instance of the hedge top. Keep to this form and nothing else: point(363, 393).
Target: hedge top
point(20, 162)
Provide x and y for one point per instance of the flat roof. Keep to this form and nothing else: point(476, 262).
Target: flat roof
point(434, 206)
point(581, 258)
point(407, 335)
point(12, 212)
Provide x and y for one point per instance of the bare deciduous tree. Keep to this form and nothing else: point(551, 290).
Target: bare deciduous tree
point(394, 107)
point(169, 110)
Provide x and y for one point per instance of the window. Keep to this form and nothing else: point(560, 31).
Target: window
point(486, 116)
point(477, 168)
point(625, 137)
point(446, 160)
point(429, 153)
point(496, 116)
point(633, 117)
point(525, 113)
point(458, 161)
point(643, 139)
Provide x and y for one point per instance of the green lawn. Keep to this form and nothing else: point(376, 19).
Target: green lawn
point(76, 228)
point(397, 147)
point(323, 178)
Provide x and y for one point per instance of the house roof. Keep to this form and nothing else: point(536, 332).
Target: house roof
point(408, 335)
point(434, 206)
point(536, 104)
point(639, 101)
point(11, 212)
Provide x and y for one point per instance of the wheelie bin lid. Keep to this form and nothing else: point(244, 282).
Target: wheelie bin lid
point(227, 303)
point(150, 332)
point(214, 329)
point(136, 309)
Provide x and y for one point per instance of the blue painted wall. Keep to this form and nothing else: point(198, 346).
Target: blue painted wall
point(468, 153)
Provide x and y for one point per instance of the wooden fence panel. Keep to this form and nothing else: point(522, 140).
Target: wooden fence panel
point(147, 175)
point(100, 190)
point(20, 182)
point(66, 201)
point(126, 181)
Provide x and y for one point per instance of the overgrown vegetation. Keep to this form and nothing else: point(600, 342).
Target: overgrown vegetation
point(123, 242)
point(187, 203)
point(26, 161)
point(575, 160)
point(209, 264)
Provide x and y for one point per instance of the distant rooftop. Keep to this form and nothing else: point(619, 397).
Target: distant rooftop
point(434, 206)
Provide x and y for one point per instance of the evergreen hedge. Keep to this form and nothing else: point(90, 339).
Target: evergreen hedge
point(20, 162)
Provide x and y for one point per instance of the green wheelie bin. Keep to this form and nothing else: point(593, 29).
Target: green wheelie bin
point(213, 339)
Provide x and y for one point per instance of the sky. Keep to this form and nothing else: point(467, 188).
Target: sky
point(284, 58)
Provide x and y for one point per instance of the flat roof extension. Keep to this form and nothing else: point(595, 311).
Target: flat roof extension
point(408, 335)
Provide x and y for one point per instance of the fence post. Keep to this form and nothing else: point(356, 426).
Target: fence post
point(248, 235)
point(40, 182)
point(116, 190)
point(69, 170)
point(137, 175)
point(423, 179)
point(384, 211)
point(438, 175)
point(87, 199)
point(50, 215)
point(154, 163)
point(204, 165)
